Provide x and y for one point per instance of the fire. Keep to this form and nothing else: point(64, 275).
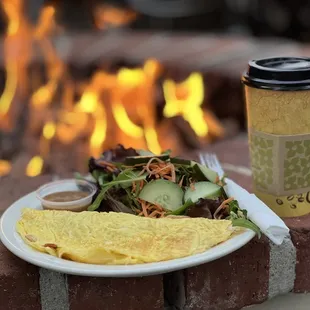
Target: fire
point(44, 95)
point(49, 130)
point(188, 103)
point(109, 16)
point(88, 102)
point(5, 167)
point(9, 88)
point(124, 123)
point(35, 166)
point(107, 109)
point(17, 26)
point(99, 133)
point(152, 140)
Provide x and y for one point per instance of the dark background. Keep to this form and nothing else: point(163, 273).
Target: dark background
point(259, 18)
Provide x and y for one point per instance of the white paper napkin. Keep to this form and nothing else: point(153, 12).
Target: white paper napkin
point(258, 212)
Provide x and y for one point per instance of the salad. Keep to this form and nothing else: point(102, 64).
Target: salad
point(144, 184)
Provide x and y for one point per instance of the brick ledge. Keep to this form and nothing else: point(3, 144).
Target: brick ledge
point(252, 274)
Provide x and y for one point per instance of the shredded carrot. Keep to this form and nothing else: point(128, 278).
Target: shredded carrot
point(173, 174)
point(144, 210)
point(110, 169)
point(141, 184)
point(151, 210)
point(105, 163)
point(191, 184)
point(154, 213)
point(181, 181)
point(223, 205)
point(133, 187)
point(160, 169)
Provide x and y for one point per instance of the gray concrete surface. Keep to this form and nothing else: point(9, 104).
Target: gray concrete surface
point(282, 268)
point(54, 290)
point(284, 302)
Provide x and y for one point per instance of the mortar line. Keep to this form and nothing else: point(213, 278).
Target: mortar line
point(53, 290)
point(282, 266)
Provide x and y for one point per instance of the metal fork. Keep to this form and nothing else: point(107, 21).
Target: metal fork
point(210, 160)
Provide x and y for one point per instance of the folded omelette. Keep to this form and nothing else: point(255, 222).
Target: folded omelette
point(118, 238)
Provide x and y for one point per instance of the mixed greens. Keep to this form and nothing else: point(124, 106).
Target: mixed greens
point(142, 183)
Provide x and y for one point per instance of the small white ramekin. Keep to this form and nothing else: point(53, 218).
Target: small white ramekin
point(67, 185)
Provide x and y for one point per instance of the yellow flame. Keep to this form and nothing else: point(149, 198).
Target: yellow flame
point(10, 88)
point(124, 123)
point(88, 102)
point(190, 107)
point(35, 166)
point(49, 130)
point(5, 167)
point(99, 134)
point(151, 140)
point(130, 77)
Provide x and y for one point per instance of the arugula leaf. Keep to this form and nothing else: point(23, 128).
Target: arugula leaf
point(127, 177)
point(242, 222)
point(239, 217)
point(233, 206)
point(117, 206)
point(166, 152)
point(124, 179)
point(182, 208)
point(132, 200)
point(96, 204)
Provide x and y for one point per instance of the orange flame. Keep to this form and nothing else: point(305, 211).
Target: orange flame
point(109, 16)
point(17, 29)
point(5, 167)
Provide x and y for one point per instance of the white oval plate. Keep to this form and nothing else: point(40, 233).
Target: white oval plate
point(11, 239)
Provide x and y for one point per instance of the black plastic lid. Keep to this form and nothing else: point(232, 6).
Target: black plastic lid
point(280, 73)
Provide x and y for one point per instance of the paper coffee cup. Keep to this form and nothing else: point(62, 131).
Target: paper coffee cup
point(277, 93)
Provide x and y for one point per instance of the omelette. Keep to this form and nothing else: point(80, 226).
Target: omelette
point(118, 238)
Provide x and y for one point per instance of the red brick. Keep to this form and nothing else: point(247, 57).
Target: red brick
point(13, 188)
point(300, 233)
point(115, 293)
point(19, 283)
point(230, 283)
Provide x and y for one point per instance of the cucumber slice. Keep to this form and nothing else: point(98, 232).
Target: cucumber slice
point(203, 173)
point(180, 161)
point(203, 190)
point(134, 160)
point(167, 194)
point(145, 153)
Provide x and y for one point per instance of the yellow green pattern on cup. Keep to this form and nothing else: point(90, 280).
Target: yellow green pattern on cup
point(261, 150)
point(297, 165)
